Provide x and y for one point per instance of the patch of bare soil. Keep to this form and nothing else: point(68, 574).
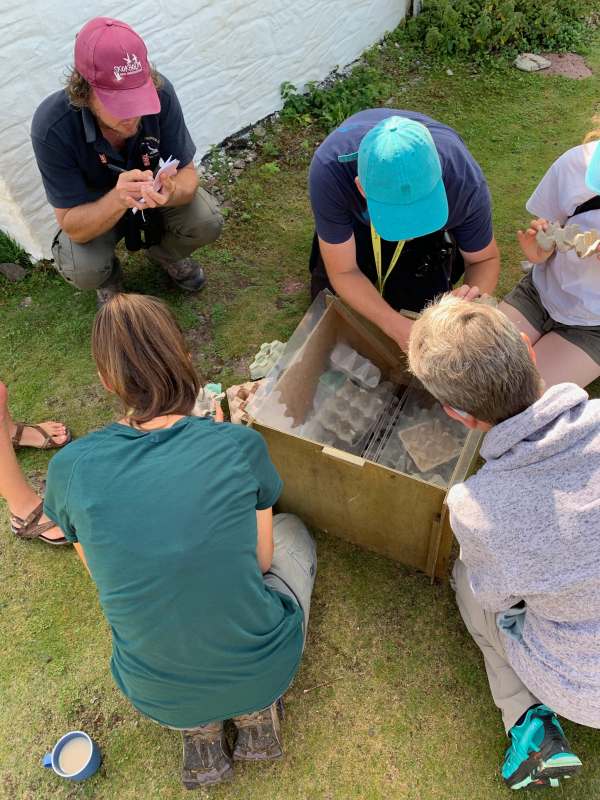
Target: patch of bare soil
point(568, 64)
point(292, 286)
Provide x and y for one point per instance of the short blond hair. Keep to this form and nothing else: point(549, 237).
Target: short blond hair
point(594, 134)
point(473, 358)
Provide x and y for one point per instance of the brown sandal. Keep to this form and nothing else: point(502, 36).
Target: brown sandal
point(48, 444)
point(28, 528)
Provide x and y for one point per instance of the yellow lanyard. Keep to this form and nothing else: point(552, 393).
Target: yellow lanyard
point(376, 239)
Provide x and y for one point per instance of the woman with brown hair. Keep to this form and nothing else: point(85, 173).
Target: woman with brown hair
point(206, 594)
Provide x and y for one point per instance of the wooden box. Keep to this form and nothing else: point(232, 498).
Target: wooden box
point(378, 508)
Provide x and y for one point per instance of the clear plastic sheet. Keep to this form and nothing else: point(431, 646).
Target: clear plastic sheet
point(331, 393)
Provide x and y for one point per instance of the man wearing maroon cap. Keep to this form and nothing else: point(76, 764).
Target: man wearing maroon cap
point(98, 144)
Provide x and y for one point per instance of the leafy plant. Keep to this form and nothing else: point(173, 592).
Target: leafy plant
point(269, 148)
point(269, 168)
point(479, 27)
point(12, 252)
point(331, 104)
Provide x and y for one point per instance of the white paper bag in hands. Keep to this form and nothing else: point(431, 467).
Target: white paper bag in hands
point(168, 169)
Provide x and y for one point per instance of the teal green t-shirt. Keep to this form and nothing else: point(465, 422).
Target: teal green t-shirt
point(167, 521)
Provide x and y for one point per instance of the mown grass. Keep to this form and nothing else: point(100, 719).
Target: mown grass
point(391, 700)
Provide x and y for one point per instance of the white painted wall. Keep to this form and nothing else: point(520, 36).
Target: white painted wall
point(226, 58)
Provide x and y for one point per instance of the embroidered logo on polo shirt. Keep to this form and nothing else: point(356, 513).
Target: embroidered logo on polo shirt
point(131, 67)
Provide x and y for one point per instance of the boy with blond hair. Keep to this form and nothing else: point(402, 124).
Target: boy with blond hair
point(528, 578)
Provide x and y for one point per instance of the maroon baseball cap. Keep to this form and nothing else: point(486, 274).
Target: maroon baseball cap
point(113, 59)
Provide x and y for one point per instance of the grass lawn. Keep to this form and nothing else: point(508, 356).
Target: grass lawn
point(392, 699)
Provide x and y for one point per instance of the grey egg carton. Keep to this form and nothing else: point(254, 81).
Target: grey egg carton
point(358, 368)
point(430, 444)
point(426, 459)
point(571, 237)
point(346, 416)
point(349, 414)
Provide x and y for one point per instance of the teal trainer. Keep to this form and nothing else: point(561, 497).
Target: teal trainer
point(539, 754)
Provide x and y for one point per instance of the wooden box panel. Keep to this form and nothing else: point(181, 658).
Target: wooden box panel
point(365, 503)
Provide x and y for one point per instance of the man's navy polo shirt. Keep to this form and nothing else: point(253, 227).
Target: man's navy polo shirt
point(338, 205)
point(72, 154)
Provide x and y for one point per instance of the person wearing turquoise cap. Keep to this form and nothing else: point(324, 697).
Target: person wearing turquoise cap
point(557, 303)
point(402, 210)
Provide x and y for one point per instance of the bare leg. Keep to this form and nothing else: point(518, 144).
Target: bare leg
point(520, 321)
point(560, 361)
point(14, 488)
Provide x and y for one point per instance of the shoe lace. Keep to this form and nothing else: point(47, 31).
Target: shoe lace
point(553, 741)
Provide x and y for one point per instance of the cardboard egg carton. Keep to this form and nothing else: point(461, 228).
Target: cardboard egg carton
point(266, 358)
point(430, 444)
point(350, 413)
point(238, 398)
point(344, 359)
point(571, 237)
point(434, 440)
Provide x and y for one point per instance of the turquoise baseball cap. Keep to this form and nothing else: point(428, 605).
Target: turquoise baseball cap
point(400, 171)
point(592, 173)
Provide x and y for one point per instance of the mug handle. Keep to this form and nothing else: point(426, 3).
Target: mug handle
point(47, 760)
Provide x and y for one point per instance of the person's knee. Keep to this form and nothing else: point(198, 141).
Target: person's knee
point(85, 266)
point(200, 222)
point(206, 229)
point(290, 534)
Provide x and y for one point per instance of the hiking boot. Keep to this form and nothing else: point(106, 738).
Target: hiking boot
point(185, 273)
point(259, 734)
point(111, 286)
point(206, 756)
point(539, 754)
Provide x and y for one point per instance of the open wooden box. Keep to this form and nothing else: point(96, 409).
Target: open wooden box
point(397, 515)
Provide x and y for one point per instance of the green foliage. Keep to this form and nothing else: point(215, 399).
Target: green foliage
point(479, 27)
point(12, 252)
point(330, 105)
point(269, 148)
point(269, 168)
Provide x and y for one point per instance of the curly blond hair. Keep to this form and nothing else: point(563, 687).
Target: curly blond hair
point(78, 89)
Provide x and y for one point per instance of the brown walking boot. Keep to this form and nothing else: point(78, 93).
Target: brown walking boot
point(112, 286)
point(185, 273)
point(259, 734)
point(206, 756)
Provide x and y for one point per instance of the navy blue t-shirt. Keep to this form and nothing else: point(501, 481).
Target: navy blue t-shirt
point(72, 154)
point(338, 205)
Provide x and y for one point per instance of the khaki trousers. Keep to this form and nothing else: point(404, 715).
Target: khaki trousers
point(294, 565)
point(509, 693)
point(91, 265)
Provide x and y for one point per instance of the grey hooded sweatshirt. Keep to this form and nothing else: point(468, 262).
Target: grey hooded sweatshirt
point(528, 524)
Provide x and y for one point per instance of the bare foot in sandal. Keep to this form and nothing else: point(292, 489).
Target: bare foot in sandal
point(45, 436)
point(35, 525)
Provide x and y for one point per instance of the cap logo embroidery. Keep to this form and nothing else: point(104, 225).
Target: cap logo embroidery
point(131, 67)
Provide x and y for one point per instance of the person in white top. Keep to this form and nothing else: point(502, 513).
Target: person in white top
point(558, 303)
